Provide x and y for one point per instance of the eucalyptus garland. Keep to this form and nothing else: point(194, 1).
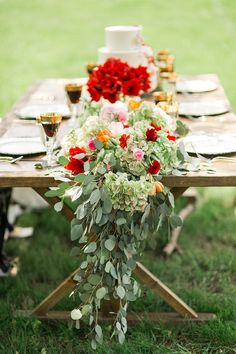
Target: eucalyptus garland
point(111, 177)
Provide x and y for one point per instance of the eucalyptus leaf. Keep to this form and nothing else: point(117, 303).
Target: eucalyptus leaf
point(76, 232)
point(110, 244)
point(94, 279)
point(93, 344)
point(121, 221)
point(121, 337)
point(58, 206)
point(102, 170)
point(63, 160)
point(99, 215)
point(108, 267)
point(120, 291)
point(86, 166)
point(54, 192)
point(79, 156)
point(95, 196)
point(84, 265)
point(107, 205)
point(100, 293)
point(98, 144)
point(171, 199)
point(90, 248)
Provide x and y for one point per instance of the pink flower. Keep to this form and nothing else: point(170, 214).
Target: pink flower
point(116, 128)
point(91, 144)
point(107, 110)
point(138, 154)
point(108, 167)
point(122, 116)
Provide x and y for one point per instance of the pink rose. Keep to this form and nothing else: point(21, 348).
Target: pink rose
point(122, 116)
point(138, 154)
point(91, 144)
point(116, 128)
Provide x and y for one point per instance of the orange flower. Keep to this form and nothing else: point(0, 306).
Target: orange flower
point(103, 136)
point(133, 104)
point(157, 187)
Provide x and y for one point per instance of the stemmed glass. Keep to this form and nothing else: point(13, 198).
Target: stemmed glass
point(50, 123)
point(74, 91)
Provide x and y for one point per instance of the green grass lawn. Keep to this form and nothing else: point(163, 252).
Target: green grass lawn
point(56, 38)
point(204, 275)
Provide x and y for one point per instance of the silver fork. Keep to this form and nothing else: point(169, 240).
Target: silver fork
point(10, 159)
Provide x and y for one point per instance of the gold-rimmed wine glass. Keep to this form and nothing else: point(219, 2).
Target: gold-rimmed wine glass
point(50, 123)
point(74, 91)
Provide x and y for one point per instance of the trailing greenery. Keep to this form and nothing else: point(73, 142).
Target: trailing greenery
point(119, 203)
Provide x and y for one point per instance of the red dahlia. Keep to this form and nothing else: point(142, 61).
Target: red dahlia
point(151, 134)
point(116, 77)
point(171, 137)
point(154, 168)
point(123, 140)
point(74, 165)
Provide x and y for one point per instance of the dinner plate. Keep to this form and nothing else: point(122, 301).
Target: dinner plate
point(21, 146)
point(34, 110)
point(195, 86)
point(209, 144)
point(203, 108)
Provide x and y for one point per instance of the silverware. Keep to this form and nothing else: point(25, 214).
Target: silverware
point(10, 159)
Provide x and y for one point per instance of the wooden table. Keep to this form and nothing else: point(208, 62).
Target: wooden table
point(24, 174)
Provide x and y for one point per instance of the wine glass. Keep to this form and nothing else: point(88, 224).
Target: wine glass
point(50, 123)
point(74, 91)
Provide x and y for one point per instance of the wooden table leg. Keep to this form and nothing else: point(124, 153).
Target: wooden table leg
point(42, 311)
point(163, 291)
point(56, 295)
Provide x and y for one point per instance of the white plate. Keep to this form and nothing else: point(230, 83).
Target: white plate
point(210, 144)
point(205, 108)
point(21, 146)
point(34, 110)
point(195, 86)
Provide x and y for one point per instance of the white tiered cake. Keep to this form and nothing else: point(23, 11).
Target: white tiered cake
point(126, 43)
point(123, 42)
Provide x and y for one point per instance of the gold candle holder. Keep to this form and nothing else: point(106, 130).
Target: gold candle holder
point(166, 67)
point(171, 108)
point(162, 96)
point(91, 67)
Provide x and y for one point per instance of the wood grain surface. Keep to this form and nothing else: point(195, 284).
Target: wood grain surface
point(24, 173)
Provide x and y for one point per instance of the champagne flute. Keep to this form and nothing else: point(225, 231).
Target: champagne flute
point(50, 123)
point(74, 91)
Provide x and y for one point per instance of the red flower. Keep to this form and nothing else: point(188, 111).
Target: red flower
point(123, 140)
point(132, 87)
point(75, 166)
point(76, 150)
point(115, 77)
point(154, 168)
point(156, 127)
point(151, 135)
point(126, 125)
point(171, 137)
